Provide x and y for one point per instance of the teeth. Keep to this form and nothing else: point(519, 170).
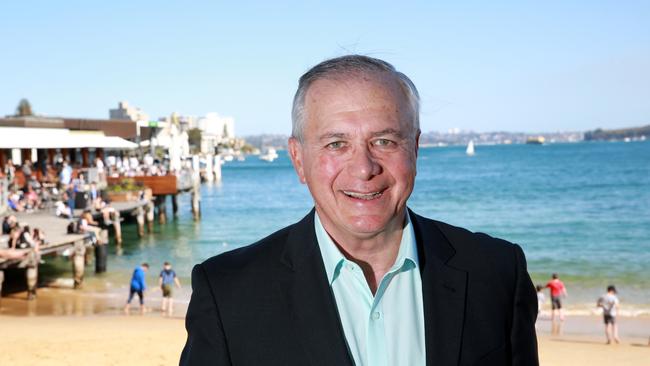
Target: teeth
point(363, 196)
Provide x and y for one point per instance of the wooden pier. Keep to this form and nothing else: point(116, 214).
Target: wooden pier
point(169, 185)
point(59, 242)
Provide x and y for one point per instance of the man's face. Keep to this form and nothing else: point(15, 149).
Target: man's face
point(358, 155)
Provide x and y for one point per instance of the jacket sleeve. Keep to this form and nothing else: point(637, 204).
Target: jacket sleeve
point(523, 337)
point(206, 342)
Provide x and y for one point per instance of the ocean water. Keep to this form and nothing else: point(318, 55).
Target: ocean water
point(581, 210)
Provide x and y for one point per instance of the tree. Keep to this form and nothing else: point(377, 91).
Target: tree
point(194, 137)
point(24, 108)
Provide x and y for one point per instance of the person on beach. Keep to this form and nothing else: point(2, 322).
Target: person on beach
point(166, 281)
point(362, 279)
point(138, 286)
point(541, 299)
point(609, 303)
point(557, 292)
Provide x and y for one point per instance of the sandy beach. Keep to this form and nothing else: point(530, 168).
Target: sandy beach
point(112, 338)
point(153, 340)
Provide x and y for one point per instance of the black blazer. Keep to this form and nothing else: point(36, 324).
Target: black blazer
point(270, 303)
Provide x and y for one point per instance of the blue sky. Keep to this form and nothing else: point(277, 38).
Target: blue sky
point(479, 65)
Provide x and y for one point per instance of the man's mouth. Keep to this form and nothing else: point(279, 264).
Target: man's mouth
point(363, 196)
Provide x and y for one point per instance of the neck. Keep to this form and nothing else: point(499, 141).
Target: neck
point(375, 254)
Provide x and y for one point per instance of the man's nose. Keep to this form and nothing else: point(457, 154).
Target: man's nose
point(363, 164)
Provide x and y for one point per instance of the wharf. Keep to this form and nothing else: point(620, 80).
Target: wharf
point(55, 230)
point(59, 242)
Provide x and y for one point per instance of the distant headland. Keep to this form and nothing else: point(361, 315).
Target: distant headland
point(621, 134)
point(462, 137)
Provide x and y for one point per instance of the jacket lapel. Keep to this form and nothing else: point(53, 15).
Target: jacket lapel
point(443, 293)
point(310, 299)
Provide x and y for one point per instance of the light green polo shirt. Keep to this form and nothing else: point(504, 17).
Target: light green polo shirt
point(387, 328)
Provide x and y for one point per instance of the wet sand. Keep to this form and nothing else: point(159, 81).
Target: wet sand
point(64, 328)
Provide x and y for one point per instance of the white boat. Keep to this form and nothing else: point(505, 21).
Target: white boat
point(270, 155)
point(470, 148)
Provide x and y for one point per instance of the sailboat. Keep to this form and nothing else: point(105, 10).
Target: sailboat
point(470, 148)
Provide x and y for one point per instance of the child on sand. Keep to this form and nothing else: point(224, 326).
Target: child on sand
point(609, 302)
point(166, 281)
point(138, 286)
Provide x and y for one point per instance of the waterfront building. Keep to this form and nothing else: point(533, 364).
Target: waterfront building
point(216, 130)
point(126, 112)
point(46, 139)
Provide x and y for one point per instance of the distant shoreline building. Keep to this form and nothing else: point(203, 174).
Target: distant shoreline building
point(126, 112)
point(216, 130)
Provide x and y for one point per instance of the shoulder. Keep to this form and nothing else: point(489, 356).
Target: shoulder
point(468, 244)
point(256, 256)
point(478, 253)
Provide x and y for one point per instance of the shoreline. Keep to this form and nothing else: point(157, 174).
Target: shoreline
point(105, 296)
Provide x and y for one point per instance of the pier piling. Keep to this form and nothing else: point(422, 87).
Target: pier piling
point(209, 174)
point(175, 204)
point(150, 216)
point(117, 227)
point(140, 219)
point(31, 274)
point(196, 199)
point(161, 203)
point(101, 255)
point(78, 263)
point(217, 168)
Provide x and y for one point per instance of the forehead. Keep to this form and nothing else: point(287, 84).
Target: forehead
point(364, 100)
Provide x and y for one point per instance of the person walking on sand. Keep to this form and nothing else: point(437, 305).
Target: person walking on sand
point(138, 286)
point(166, 281)
point(541, 299)
point(557, 292)
point(609, 302)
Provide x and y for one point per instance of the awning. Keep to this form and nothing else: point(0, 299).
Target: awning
point(59, 138)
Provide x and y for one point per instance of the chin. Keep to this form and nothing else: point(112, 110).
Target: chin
point(368, 224)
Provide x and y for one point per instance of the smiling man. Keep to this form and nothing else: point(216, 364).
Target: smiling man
point(362, 280)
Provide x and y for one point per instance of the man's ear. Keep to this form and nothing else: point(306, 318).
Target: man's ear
point(417, 143)
point(295, 152)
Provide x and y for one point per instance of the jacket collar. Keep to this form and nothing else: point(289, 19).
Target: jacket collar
point(310, 299)
point(443, 292)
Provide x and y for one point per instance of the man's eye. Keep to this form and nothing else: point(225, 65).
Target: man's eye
point(383, 142)
point(335, 145)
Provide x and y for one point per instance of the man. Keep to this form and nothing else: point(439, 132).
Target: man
point(361, 279)
point(558, 290)
point(65, 177)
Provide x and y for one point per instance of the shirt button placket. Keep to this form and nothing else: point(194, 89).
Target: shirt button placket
point(376, 339)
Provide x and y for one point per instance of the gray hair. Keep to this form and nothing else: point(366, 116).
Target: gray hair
point(344, 66)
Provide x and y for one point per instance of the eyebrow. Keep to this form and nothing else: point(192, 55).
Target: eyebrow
point(332, 135)
point(340, 135)
point(388, 131)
